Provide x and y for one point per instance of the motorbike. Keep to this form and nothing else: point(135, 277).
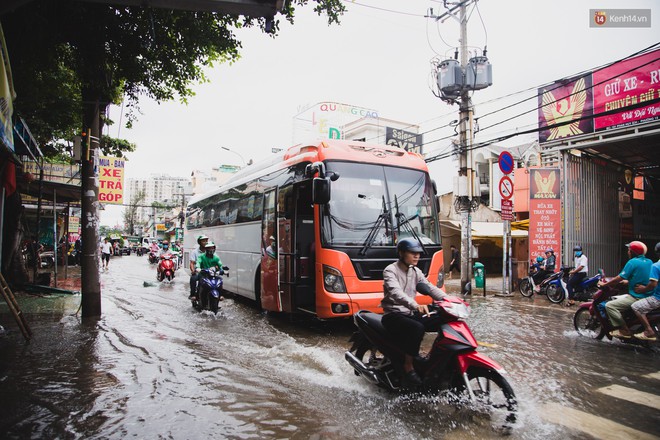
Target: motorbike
point(153, 257)
point(166, 268)
point(527, 285)
point(209, 290)
point(453, 363)
point(557, 290)
point(591, 320)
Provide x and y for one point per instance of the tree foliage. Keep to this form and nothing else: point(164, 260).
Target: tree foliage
point(81, 52)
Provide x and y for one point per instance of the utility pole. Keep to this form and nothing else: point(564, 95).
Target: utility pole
point(456, 79)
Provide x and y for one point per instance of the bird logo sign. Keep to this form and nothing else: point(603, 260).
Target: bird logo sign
point(545, 183)
point(563, 114)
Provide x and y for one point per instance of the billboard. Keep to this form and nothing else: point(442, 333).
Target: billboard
point(624, 84)
point(562, 102)
point(407, 140)
point(544, 211)
point(111, 180)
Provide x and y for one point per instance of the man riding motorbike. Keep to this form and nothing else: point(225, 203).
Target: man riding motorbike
point(636, 271)
point(202, 240)
point(403, 317)
point(164, 251)
point(652, 302)
point(581, 268)
point(207, 260)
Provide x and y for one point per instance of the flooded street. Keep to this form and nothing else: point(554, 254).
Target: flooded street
point(153, 367)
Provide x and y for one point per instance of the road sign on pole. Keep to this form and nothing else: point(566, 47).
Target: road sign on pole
point(505, 162)
point(506, 187)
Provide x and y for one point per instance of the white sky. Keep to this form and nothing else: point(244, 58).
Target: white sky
point(378, 60)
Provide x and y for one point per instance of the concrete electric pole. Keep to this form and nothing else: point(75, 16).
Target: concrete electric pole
point(455, 82)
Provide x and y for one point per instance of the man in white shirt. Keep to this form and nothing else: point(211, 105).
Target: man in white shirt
point(106, 250)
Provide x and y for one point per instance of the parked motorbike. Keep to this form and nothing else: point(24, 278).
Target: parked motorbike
point(166, 268)
point(557, 290)
point(209, 290)
point(527, 285)
point(591, 320)
point(453, 364)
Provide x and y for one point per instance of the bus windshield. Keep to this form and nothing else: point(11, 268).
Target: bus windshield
point(374, 205)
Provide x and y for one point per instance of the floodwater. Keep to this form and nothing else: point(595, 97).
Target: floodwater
point(152, 367)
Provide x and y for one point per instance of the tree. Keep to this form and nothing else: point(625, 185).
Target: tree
point(126, 51)
point(130, 213)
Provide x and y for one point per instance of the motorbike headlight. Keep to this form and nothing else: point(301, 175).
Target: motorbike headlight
point(333, 280)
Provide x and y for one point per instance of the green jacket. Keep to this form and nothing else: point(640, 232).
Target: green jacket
point(204, 262)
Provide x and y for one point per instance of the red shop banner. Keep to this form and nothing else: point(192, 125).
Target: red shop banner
point(625, 84)
point(544, 211)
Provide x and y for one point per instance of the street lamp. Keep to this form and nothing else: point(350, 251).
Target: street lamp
point(236, 153)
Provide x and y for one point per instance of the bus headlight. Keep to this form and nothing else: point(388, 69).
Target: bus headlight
point(333, 281)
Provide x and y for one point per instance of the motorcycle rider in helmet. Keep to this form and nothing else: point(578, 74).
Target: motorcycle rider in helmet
point(208, 260)
point(163, 251)
point(579, 272)
point(194, 277)
point(636, 271)
point(403, 317)
point(652, 302)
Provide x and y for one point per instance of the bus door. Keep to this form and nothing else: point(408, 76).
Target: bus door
point(305, 293)
point(269, 290)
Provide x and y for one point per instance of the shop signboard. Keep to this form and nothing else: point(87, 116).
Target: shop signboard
point(111, 180)
point(544, 211)
point(564, 101)
point(624, 84)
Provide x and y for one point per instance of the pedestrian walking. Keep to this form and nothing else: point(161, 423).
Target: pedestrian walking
point(106, 250)
point(455, 261)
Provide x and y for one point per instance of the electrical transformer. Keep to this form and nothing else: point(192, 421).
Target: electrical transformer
point(479, 73)
point(450, 77)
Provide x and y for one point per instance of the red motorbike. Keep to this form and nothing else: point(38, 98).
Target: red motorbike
point(591, 320)
point(165, 268)
point(452, 365)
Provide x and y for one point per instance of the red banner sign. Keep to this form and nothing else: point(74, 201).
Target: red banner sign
point(507, 209)
point(544, 211)
point(624, 84)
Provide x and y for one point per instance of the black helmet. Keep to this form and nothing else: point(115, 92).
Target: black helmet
point(577, 248)
point(409, 245)
point(657, 248)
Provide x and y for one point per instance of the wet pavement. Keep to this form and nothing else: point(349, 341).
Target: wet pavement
point(152, 367)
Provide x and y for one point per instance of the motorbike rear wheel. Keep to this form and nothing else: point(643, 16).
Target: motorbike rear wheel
point(494, 397)
point(526, 288)
point(586, 324)
point(555, 293)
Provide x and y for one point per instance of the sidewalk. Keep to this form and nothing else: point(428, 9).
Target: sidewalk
point(493, 286)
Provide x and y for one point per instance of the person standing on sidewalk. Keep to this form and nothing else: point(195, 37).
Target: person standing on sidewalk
point(106, 250)
point(455, 260)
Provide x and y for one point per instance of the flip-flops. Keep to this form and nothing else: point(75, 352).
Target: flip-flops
point(643, 337)
point(617, 334)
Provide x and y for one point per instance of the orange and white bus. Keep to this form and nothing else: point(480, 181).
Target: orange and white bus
point(311, 230)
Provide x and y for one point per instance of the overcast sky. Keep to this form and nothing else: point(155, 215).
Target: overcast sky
point(378, 59)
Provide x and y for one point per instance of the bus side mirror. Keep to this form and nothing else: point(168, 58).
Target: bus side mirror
point(320, 190)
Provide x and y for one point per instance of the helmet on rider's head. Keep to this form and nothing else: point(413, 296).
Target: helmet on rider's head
point(539, 259)
point(637, 247)
point(657, 248)
point(210, 247)
point(409, 245)
point(550, 251)
point(200, 238)
point(577, 248)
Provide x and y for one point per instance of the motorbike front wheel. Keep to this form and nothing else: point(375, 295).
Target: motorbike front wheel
point(494, 397)
point(526, 288)
point(555, 293)
point(213, 303)
point(586, 324)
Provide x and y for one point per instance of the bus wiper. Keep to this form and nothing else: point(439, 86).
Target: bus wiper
point(402, 220)
point(371, 237)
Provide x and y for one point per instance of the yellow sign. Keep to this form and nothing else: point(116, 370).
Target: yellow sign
point(111, 180)
point(160, 227)
point(74, 224)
